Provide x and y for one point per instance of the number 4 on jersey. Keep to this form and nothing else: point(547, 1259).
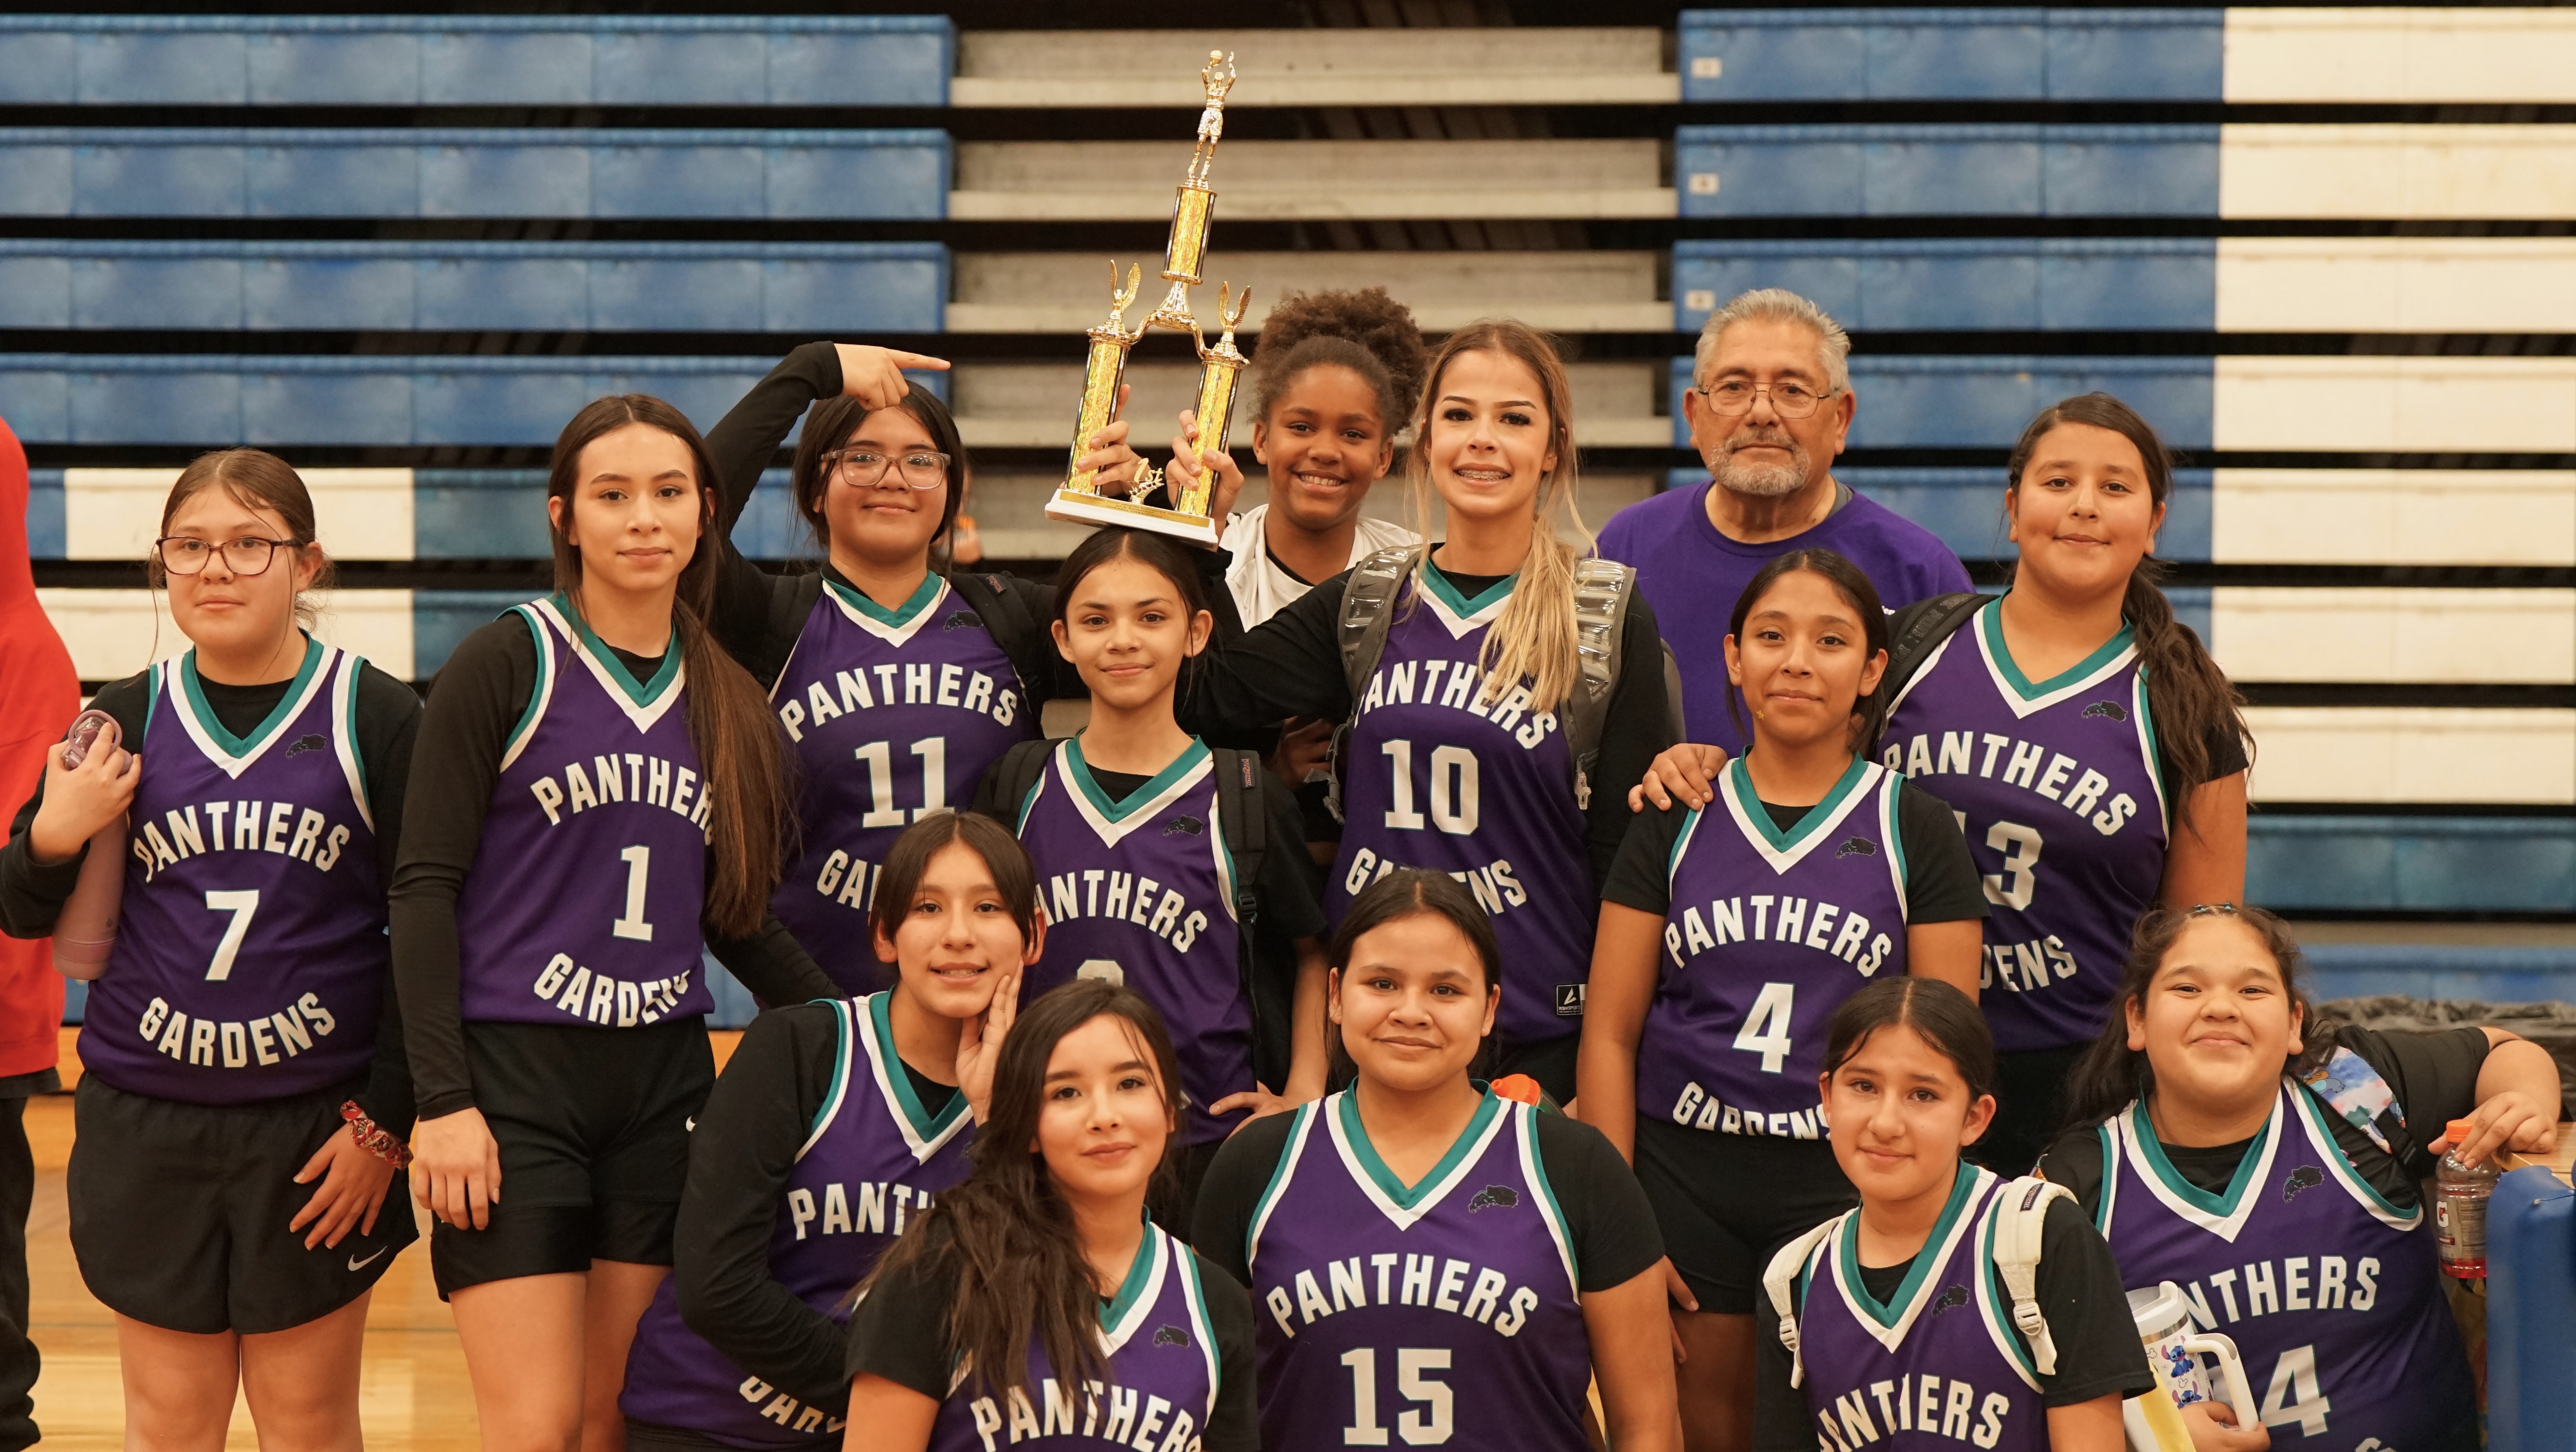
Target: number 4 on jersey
point(1766, 1027)
point(2296, 1394)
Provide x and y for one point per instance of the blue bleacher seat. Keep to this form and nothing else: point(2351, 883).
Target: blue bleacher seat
point(1963, 283)
point(2414, 864)
point(1952, 54)
point(481, 172)
point(1983, 401)
point(371, 399)
point(45, 522)
point(733, 287)
point(476, 60)
point(1928, 170)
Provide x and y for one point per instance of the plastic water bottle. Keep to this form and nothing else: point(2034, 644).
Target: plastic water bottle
point(2460, 1206)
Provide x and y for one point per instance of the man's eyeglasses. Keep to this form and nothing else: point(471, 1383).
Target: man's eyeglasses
point(1733, 397)
point(863, 468)
point(186, 555)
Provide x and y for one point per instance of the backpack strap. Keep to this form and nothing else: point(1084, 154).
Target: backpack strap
point(1016, 775)
point(1245, 818)
point(1008, 619)
point(1366, 600)
point(1781, 1281)
point(791, 604)
point(1601, 591)
point(2020, 1214)
point(1928, 623)
point(2355, 1093)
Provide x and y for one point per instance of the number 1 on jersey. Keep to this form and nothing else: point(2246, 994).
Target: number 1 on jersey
point(639, 872)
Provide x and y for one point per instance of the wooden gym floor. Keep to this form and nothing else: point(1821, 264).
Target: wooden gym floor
point(413, 1395)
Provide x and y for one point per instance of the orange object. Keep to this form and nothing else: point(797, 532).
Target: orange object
point(1519, 1087)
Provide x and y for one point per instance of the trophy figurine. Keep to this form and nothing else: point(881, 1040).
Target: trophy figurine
point(1079, 499)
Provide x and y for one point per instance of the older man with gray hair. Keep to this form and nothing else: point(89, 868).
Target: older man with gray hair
point(1770, 406)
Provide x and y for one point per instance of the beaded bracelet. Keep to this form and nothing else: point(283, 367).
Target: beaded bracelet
point(372, 1139)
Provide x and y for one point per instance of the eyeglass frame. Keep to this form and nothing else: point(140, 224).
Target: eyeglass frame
point(1763, 390)
point(832, 468)
point(222, 549)
point(2205, 909)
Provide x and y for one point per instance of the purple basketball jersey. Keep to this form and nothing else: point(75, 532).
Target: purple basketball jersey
point(894, 714)
point(1939, 1367)
point(1141, 892)
point(2055, 785)
point(1163, 1375)
point(250, 960)
point(869, 1167)
point(583, 902)
point(1449, 1312)
point(1483, 791)
point(2333, 1295)
point(1768, 932)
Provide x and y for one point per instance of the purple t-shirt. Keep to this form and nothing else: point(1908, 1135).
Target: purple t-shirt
point(1691, 574)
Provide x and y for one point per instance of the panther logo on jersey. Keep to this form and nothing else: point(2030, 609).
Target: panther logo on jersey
point(1179, 826)
point(1857, 847)
point(962, 620)
point(2305, 1177)
point(1950, 1296)
point(1171, 1336)
point(1502, 1196)
point(2112, 709)
point(314, 741)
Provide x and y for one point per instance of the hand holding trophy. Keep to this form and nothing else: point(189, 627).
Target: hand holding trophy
point(1187, 512)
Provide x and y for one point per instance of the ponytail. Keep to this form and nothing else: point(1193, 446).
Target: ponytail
point(1535, 636)
point(2192, 700)
point(729, 721)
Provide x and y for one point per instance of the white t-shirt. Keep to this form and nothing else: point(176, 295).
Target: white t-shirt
point(1262, 589)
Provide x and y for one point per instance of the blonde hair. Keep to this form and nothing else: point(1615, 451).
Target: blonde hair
point(1535, 636)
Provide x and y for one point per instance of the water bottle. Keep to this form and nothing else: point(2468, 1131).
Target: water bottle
point(2460, 1206)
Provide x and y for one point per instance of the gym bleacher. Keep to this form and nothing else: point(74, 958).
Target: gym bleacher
point(2326, 251)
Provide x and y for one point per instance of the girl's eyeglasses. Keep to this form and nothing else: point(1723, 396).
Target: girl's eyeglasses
point(863, 468)
point(186, 555)
point(2204, 909)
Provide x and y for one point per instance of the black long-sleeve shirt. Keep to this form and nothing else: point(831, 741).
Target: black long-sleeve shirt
point(740, 1156)
point(1292, 666)
point(388, 720)
point(481, 693)
point(748, 622)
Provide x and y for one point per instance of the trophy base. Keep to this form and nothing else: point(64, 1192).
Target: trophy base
point(1080, 506)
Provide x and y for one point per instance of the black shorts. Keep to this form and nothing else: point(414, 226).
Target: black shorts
point(2030, 1097)
point(1549, 1061)
point(593, 1126)
point(179, 1212)
point(1725, 1202)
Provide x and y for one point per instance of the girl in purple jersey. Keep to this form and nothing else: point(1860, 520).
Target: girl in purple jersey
point(2095, 753)
point(832, 1129)
point(1462, 752)
point(1898, 1330)
point(597, 793)
point(897, 682)
point(241, 1119)
point(1427, 1257)
point(1130, 824)
point(1729, 935)
point(2269, 1162)
point(1037, 1304)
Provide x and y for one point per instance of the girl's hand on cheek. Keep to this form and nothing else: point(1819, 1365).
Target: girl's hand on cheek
point(979, 1046)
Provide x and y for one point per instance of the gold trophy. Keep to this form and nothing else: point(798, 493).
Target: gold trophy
point(1080, 499)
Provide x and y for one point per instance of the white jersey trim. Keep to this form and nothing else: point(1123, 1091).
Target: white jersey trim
point(1873, 782)
point(643, 715)
point(2001, 670)
point(1431, 1194)
point(1303, 1127)
point(2321, 1134)
point(1525, 1134)
point(539, 698)
point(2226, 1226)
point(344, 733)
point(286, 713)
point(1140, 812)
point(1139, 1311)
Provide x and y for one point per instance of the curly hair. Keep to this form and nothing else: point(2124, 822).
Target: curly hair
point(1367, 332)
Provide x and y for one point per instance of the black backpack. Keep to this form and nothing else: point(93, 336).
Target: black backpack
point(1005, 615)
point(1243, 816)
point(1918, 630)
